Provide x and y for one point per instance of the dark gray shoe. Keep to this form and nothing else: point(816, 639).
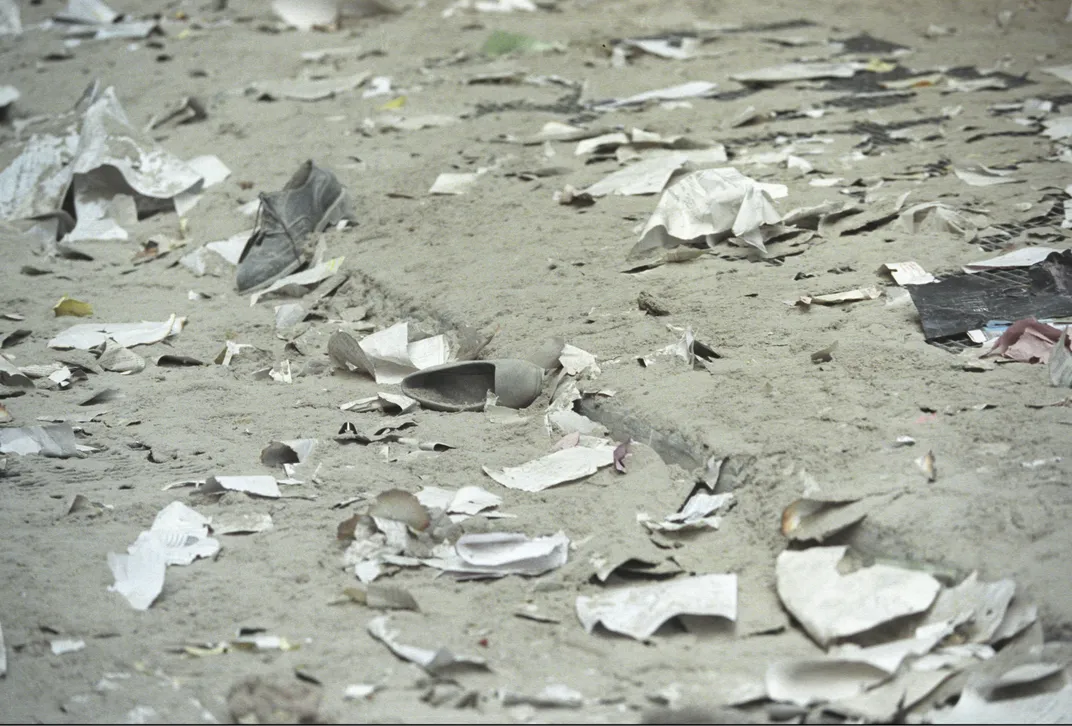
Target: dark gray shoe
point(310, 202)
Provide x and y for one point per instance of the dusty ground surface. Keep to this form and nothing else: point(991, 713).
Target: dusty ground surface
point(506, 254)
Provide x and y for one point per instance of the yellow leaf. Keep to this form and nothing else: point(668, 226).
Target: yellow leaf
point(877, 65)
point(70, 306)
point(394, 104)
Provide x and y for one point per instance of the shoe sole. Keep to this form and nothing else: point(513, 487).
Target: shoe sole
point(324, 223)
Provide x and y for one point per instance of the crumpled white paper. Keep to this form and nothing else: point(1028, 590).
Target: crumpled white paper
point(699, 512)
point(497, 554)
point(115, 170)
point(393, 357)
point(178, 536)
point(712, 204)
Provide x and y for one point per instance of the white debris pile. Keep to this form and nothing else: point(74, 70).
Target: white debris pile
point(711, 206)
point(915, 635)
point(114, 173)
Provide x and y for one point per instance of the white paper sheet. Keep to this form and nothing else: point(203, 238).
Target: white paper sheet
point(639, 611)
point(556, 468)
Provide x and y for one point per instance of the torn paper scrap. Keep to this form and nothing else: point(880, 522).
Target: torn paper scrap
point(139, 575)
point(673, 48)
point(907, 273)
point(977, 607)
point(692, 89)
point(60, 646)
point(699, 512)
point(558, 467)
point(10, 24)
point(180, 534)
point(451, 183)
point(648, 176)
point(257, 485)
point(883, 703)
point(89, 12)
point(830, 605)
point(555, 695)
point(393, 403)
point(433, 661)
point(298, 283)
point(928, 216)
point(56, 440)
point(821, 680)
point(1024, 257)
point(889, 656)
point(467, 500)
point(711, 205)
point(1059, 366)
point(392, 357)
point(229, 523)
point(280, 372)
point(799, 72)
point(497, 554)
point(307, 14)
point(1062, 72)
point(413, 123)
point(816, 518)
point(978, 175)
point(577, 362)
point(1057, 128)
point(972, 707)
point(90, 335)
point(639, 611)
point(231, 248)
point(10, 375)
point(838, 298)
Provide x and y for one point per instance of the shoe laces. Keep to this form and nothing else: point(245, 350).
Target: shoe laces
point(267, 206)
